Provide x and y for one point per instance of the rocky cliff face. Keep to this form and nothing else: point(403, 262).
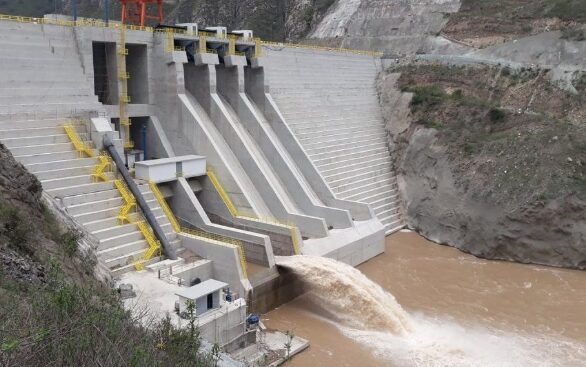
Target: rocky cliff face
point(490, 161)
point(394, 26)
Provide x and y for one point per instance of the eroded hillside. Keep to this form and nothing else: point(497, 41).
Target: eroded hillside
point(491, 160)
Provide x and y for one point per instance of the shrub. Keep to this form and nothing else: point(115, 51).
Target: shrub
point(458, 94)
point(430, 124)
point(426, 96)
point(63, 324)
point(15, 228)
point(496, 114)
point(574, 34)
point(69, 240)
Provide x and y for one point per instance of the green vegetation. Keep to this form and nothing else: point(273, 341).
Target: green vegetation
point(496, 114)
point(425, 96)
point(15, 228)
point(62, 316)
point(574, 34)
point(565, 9)
point(472, 110)
point(64, 324)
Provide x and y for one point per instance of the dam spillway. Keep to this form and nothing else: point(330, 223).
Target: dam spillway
point(222, 164)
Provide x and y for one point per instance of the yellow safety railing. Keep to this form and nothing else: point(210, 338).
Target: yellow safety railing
point(220, 240)
point(129, 202)
point(81, 147)
point(210, 237)
point(236, 214)
point(124, 98)
point(223, 194)
point(124, 217)
point(125, 27)
point(202, 45)
point(232, 46)
point(154, 245)
point(170, 41)
point(163, 203)
point(257, 48)
point(104, 165)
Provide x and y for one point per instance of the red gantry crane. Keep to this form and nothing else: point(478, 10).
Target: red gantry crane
point(135, 11)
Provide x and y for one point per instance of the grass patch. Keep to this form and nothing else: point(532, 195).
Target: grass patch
point(426, 96)
point(496, 114)
point(574, 34)
point(62, 324)
point(16, 228)
point(430, 124)
point(70, 243)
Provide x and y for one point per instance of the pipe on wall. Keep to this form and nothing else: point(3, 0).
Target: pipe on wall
point(111, 149)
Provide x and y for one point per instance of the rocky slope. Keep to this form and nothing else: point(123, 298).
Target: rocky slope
point(490, 160)
point(482, 23)
point(395, 26)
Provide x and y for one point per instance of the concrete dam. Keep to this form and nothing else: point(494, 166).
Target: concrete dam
point(190, 159)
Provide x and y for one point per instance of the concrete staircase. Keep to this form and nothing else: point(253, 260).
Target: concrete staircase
point(42, 86)
point(330, 102)
point(41, 74)
point(43, 148)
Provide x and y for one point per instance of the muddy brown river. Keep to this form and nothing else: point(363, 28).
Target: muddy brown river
point(462, 311)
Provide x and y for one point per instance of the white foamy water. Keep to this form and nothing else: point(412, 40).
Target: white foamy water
point(366, 313)
point(347, 294)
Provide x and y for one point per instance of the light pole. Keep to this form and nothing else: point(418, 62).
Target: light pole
point(74, 8)
point(106, 12)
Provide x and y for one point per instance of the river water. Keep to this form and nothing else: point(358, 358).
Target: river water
point(449, 309)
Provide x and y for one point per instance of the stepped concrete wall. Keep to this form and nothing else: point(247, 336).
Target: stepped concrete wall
point(225, 113)
point(330, 102)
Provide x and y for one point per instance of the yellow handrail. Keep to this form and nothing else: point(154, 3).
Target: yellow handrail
point(124, 216)
point(166, 209)
point(236, 214)
point(154, 245)
point(124, 27)
point(129, 202)
point(104, 165)
point(257, 48)
point(211, 237)
point(123, 98)
point(220, 240)
point(81, 147)
point(223, 195)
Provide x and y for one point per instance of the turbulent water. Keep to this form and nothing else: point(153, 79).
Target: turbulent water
point(365, 314)
point(349, 296)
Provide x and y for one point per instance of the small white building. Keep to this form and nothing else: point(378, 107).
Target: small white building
point(244, 33)
point(220, 32)
point(207, 296)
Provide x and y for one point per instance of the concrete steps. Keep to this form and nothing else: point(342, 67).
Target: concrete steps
point(39, 149)
point(347, 153)
point(17, 132)
point(360, 174)
point(335, 146)
point(31, 141)
point(42, 87)
point(351, 169)
point(330, 102)
point(43, 98)
point(76, 162)
point(48, 108)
